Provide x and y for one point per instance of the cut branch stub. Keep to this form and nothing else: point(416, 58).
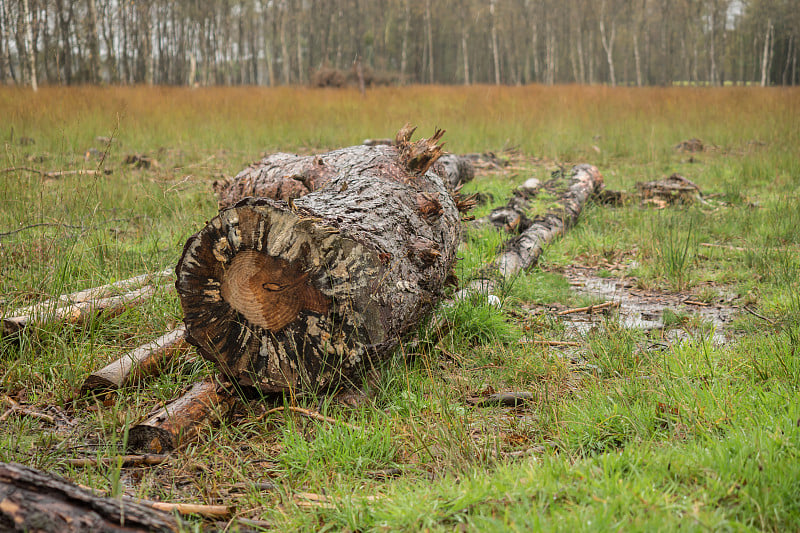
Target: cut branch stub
point(310, 294)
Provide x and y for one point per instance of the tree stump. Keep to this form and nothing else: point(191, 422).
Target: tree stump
point(312, 292)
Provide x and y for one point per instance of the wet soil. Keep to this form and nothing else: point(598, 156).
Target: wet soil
point(684, 312)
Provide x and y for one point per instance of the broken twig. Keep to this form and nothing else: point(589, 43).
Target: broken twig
point(310, 414)
point(588, 309)
point(121, 460)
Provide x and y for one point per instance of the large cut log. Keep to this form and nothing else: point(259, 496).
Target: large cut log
point(144, 361)
point(283, 176)
point(181, 421)
point(311, 293)
point(31, 500)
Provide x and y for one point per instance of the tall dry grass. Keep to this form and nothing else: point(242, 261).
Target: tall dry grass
point(562, 122)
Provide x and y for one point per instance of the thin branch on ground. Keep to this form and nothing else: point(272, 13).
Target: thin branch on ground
point(310, 414)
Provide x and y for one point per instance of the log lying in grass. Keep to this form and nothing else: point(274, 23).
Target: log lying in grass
point(31, 500)
point(456, 170)
point(512, 217)
point(77, 306)
point(310, 294)
point(179, 422)
point(80, 312)
point(522, 252)
point(144, 361)
point(286, 177)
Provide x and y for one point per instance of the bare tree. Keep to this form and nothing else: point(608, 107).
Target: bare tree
point(608, 38)
point(29, 45)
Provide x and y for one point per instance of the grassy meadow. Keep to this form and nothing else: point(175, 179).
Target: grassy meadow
point(629, 428)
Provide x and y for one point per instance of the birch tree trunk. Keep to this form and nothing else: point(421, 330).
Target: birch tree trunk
point(765, 57)
point(29, 45)
point(608, 46)
point(495, 51)
point(404, 51)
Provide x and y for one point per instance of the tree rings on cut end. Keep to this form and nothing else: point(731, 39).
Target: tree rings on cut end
point(269, 291)
point(280, 300)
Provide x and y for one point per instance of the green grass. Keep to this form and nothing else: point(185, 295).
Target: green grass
point(628, 430)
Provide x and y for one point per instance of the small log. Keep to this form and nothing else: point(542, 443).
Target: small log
point(31, 500)
point(588, 309)
point(41, 311)
point(180, 422)
point(207, 511)
point(513, 217)
point(312, 293)
point(145, 360)
point(78, 313)
point(523, 251)
point(55, 174)
point(125, 461)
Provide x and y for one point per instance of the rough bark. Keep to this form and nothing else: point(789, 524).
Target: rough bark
point(673, 190)
point(456, 170)
point(31, 500)
point(523, 251)
point(144, 361)
point(180, 422)
point(312, 293)
point(286, 177)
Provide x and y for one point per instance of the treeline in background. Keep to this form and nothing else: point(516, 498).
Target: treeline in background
point(374, 42)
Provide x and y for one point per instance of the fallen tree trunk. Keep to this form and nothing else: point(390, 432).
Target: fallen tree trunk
point(311, 293)
point(283, 176)
point(180, 422)
point(31, 500)
point(513, 217)
point(144, 361)
point(522, 252)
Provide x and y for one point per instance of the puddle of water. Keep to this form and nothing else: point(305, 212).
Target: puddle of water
point(643, 309)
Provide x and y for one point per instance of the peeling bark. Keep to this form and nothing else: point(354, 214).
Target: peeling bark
point(311, 292)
